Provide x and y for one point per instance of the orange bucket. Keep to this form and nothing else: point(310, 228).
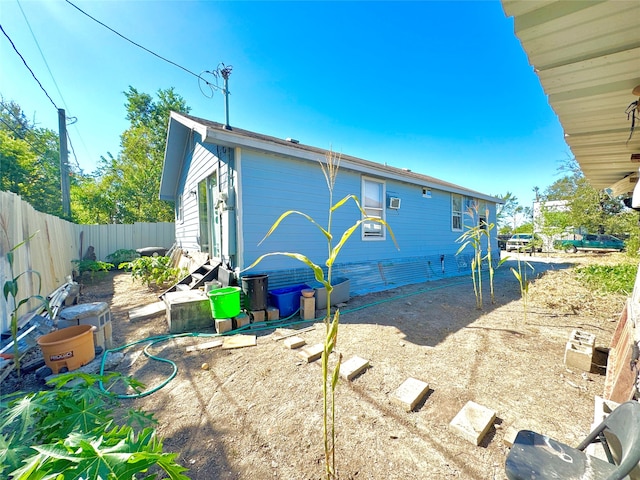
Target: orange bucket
point(71, 347)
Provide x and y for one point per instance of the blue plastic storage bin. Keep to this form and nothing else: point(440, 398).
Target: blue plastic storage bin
point(287, 299)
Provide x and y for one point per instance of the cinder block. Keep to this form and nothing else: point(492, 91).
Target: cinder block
point(294, 342)
point(273, 313)
point(257, 315)
point(602, 409)
point(223, 325)
point(307, 308)
point(108, 335)
point(410, 393)
point(473, 422)
point(187, 311)
point(354, 367)
point(311, 353)
point(98, 338)
point(510, 435)
point(242, 320)
point(578, 356)
point(582, 338)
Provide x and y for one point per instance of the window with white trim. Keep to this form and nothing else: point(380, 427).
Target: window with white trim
point(373, 203)
point(179, 209)
point(456, 212)
point(483, 214)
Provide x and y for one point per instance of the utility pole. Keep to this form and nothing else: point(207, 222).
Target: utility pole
point(64, 163)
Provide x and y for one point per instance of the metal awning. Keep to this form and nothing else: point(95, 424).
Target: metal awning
point(587, 56)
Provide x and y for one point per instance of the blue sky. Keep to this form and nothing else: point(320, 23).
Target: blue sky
point(441, 88)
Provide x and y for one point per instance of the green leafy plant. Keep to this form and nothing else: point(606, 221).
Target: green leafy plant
point(122, 255)
point(329, 383)
point(71, 432)
point(153, 270)
point(10, 290)
point(521, 276)
point(92, 267)
point(618, 278)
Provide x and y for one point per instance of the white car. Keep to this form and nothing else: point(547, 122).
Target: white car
point(520, 242)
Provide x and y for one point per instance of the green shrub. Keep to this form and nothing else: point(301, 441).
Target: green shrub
point(92, 267)
point(609, 278)
point(71, 432)
point(153, 271)
point(122, 255)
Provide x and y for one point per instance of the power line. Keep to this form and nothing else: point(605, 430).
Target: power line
point(29, 68)
point(134, 43)
point(24, 15)
point(41, 54)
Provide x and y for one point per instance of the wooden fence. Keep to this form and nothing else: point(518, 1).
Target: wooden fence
point(55, 243)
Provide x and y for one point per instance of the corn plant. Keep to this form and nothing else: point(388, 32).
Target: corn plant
point(71, 432)
point(473, 237)
point(329, 382)
point(10, 290)
point(521, 276)
point(489, 258)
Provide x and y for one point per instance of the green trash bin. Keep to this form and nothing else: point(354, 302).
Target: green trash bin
point(225, 302)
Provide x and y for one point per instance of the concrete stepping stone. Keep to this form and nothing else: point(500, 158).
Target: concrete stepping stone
point(311, 353)
point(353, 367)
point(473, 422)
point(294, 342)
point(410, 393)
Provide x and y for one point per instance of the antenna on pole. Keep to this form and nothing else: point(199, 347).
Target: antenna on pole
point(223, 71)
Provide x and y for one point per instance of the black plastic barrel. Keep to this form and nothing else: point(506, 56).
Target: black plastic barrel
point(255, 292)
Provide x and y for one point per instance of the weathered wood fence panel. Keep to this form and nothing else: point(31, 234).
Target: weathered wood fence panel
point(56, 244)
point(106, 239)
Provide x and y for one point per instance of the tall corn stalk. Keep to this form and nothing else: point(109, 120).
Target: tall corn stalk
point(473, 237)
point(329, 382)
point(521, 276)
point(10, 290)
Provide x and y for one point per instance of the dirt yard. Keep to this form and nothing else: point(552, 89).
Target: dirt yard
point(256, 413)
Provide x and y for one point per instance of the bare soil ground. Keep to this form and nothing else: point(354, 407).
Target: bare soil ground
point(256, 413)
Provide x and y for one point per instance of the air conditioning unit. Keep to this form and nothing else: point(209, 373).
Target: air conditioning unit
point(394, 203)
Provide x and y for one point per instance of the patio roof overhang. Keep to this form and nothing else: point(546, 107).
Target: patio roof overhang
point(587, 57)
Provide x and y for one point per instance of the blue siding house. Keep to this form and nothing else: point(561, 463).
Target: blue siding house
point(230, 186)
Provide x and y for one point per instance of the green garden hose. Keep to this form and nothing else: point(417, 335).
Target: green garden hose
point(258, 326)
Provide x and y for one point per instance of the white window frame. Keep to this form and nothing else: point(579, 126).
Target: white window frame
point(180, 209)
point(456, 213)
point(372, 231)
point(483, 217)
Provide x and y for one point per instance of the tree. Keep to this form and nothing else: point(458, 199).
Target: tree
point(506, 212)
point(587, 208)
point(29, 160)
point(125, 188)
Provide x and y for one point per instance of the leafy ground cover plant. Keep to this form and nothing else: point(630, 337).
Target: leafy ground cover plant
point(329, 382)
point(618, 278)
point(71, 432)
point(152, 271)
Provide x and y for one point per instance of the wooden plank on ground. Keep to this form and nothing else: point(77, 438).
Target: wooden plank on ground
point(205, 346)
point(147, 311)
point(239, 341)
